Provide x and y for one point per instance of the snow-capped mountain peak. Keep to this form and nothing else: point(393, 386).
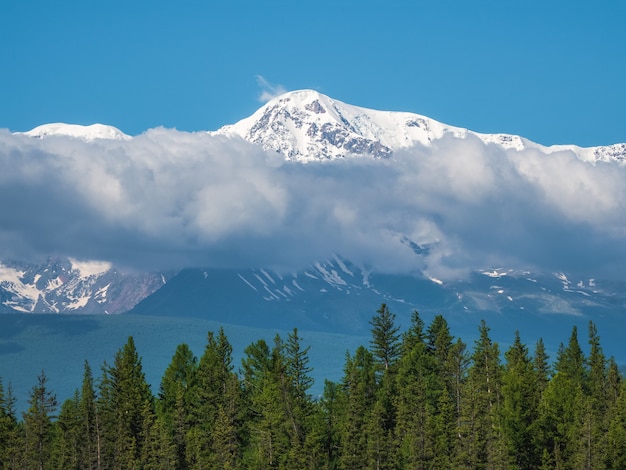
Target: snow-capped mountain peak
point(307, 126)
point(87, 133)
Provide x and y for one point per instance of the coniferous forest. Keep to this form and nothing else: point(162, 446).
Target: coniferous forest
point(418, 399)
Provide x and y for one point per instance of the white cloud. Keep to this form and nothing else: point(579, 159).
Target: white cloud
point(269, 91)
point(167, 199)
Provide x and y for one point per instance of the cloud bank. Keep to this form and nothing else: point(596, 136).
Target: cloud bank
point(168, 199)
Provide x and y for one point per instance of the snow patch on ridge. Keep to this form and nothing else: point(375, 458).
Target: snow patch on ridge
point(87, 133)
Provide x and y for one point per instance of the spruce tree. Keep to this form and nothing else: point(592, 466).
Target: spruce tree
point(541, 366)
point(596, 425)
point(520, 402)
point(68, 441)
point(385, 342)
point(413, 408)
point(359, 390)
point(441, 424)
point(89, 433)
point(482, 431)
point(175, 399)
point(559, 425)
point(215, 408)
point(9, 430)
point(124, 398)
point(615, 456)
point(38, 425)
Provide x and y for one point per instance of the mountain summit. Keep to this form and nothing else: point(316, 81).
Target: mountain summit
point(86, 133)
point(308, 126)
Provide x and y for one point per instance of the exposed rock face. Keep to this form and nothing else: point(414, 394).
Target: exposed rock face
point(70, 286)
point(307, 126)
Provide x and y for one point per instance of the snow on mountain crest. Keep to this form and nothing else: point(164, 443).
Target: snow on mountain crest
point(87, 133)
point(308, 126)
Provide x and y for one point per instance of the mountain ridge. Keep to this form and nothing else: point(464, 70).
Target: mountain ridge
point(308, 126)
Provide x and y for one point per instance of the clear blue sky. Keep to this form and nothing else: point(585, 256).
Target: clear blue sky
point(552, 71)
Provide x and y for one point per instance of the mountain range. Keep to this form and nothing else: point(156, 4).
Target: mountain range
point(335, 294)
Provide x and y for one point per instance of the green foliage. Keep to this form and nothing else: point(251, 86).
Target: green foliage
point(38, 425)
point(417, 400)
point(520, 402)
point(125, 398)
point(9, 430)
point(385, 340)
point(213, 435)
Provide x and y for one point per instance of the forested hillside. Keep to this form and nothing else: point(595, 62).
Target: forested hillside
point(411, 399)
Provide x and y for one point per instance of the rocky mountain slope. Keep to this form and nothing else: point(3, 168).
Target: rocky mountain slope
point(71, 286)
point(308, 126)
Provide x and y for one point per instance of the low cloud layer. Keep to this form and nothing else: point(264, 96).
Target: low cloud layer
point(169, 199)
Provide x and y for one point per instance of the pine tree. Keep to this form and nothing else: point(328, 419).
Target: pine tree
point(386, 349)
point(326, 433)
point(89, 437)
point(69, 441)
point(359, 391)
point(9, 438)
point(481, 431)
point(441, 423)
point(175, 397)
point(541, 366)
point(124, 398)
point(38, 425)
point(615, 457)
point(385, 342)
point(570, 360)
point(520, 402)
point(158, 451)
point(413, 410)
point(215, 401)
point(559, 423)
point(596, 425)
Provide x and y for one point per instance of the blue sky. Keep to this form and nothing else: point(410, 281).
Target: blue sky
point(551, 71)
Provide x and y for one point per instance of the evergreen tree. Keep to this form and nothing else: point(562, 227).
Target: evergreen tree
point(359, 391)
point(69, 442)
point(441, 425)
point(38, 425)
point(595, 420)
point(413, 409)
point(615, 456)
point(520, 401)
point(560, 423)
point(570, 360)
point(158, 450)
point(385, 342)
point(124, 398)
point(295, 389)
point(9, 438)
point(541, 366)
point(275, 427)
point(386, 349)
point(213, 436)
point(481, 431)
point(326, 434)
point(175, 399)
point(89, 433)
